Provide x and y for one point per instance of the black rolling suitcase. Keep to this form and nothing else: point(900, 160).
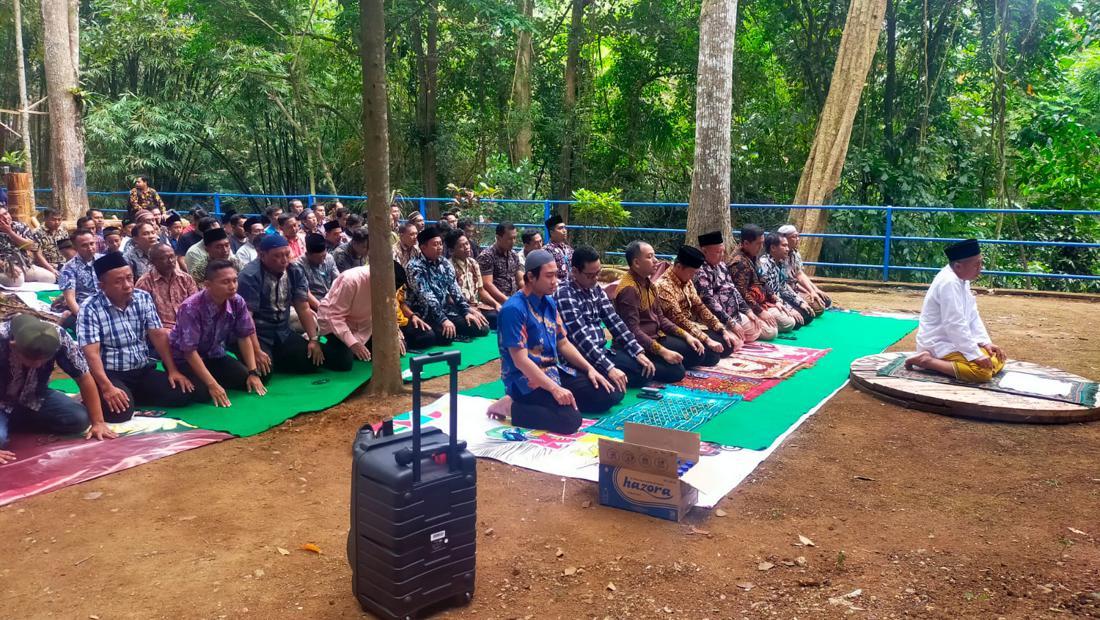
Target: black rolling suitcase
point(412, 543)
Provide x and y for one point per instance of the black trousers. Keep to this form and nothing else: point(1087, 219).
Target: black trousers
point(147, 387)
point(227, 370)
point(539, 410)
point(338, 356)
point(462, 330)
point(417, 339)
point(691, 358)
point(491, 316)
point(289, 352)
point(664, 372)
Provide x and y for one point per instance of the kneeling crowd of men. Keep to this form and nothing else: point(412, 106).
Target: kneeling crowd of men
point(223, 304)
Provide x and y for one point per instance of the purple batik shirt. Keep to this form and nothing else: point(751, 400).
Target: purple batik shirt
point(205, 327)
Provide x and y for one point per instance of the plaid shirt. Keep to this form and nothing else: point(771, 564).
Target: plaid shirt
point(79, 276)
point(25, 387)
point(168, 293)
point(434, 292)
point(584, 312)
point(747, 280)
point(47, 242)
point(682, 305)
point(715, 286)
point(563, 254)
point(120, 332)
point(502, 266)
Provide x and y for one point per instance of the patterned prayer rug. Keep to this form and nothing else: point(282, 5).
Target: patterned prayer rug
point(1029, 382)
point(740, 365)
point(722, 383)
point(783, 352)
point(680, 409)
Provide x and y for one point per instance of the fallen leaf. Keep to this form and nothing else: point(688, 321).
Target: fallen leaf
point(93, 495)
point(746, 585)
point(586, 503)
point(806, 541)
point(765, 566)
point(1077, 531)
point(282, 551)
point(720, 513)
point(695, 530)
point(854, 593)
point(187, 518)
point(489, 532)
point(570, 571)
point(800, 560)
point(865, 478)
point(611, 586)
point(259, 572)
point(559, 553)
point(310, 547)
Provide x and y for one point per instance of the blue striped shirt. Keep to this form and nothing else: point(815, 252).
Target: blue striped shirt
point(120, 332)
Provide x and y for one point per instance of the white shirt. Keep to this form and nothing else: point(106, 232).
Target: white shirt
point(247, 253)
point(949, 320)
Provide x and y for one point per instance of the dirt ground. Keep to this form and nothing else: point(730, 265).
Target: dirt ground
point(924, 516)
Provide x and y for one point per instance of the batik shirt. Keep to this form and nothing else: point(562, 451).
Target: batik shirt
point(584, 313)
point(25, 387)
point(147, 198)
point(774, 275)
point(9, 252)
point(681, 304)
point(530, 323)
point(403, 255)
point(345, 258)
point(794, 264)
point(205, 327)
point(47, 242)
point(321, 277)
point(434, 292)
point(563, 255)
point(715, 286)
point(503, 266)
point(168, 293)
point(198, 267)
point(468, 276)
point(270, 297)
point(77, 275)
point(747, 280)
point(636, 303)
point(120, 332)
point(139, 260)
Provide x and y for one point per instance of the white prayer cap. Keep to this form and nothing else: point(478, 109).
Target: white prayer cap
point(787, 229)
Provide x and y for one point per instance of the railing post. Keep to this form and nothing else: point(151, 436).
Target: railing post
point(546, 211)
point(310, 199)
point(422, 204)
point(886, 244)
point(217, 204)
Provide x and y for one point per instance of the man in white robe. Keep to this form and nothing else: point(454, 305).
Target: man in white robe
point(951, 339)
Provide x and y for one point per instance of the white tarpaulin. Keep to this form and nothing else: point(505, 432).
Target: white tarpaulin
point(718, 472)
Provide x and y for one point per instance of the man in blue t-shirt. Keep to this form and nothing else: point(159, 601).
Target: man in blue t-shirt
point(542, 392)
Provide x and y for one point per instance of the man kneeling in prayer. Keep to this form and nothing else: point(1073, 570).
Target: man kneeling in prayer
point(952, 339)
point(204, 322)
point(542, 392)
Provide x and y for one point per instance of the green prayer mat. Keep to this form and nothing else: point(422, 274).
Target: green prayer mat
point(290, 395)
point(47, 297)
point(756, 424)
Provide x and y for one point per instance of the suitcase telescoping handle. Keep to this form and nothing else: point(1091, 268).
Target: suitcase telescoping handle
point(416, 364)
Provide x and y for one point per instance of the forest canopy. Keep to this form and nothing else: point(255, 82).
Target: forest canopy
point(967, 104)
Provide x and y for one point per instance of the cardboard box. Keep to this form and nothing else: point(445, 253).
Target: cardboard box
point(642, 472)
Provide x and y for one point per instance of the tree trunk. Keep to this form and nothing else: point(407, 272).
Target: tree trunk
point(61, 53)
point(521, 88)
point(427, 65)
point(889, 97)
point(821, 175)
point(569, 103)
point(710, 179)
point(386, 375)
point(24, 110)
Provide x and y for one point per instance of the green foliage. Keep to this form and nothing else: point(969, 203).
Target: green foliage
point(598, 209)
point(16, 159)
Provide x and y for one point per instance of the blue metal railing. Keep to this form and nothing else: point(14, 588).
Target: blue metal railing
point(888, 238)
